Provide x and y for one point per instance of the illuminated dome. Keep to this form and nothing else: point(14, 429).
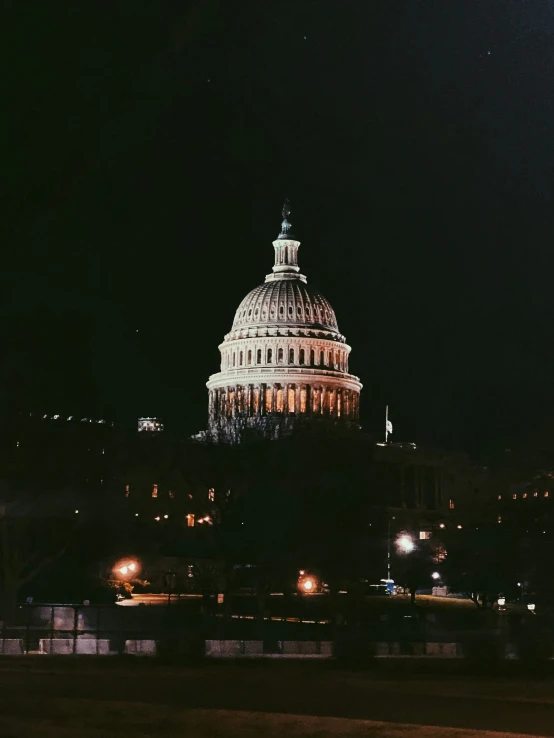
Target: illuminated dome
point(284, 359)
point(287, 302)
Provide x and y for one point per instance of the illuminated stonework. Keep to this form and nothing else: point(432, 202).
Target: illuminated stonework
point(284, 358)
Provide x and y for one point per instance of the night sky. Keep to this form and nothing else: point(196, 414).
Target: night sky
point(148, 147)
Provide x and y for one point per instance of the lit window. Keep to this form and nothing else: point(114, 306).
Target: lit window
point(171, 495)
point(269, 356)
point(524, 495)
point(500, 518)
point(211, 494)
point(155, 490)
point(514, 496)
point(190, 520)
point(424, 535)
point(546, 494)
point(535, 494)
point(291, 400)
point(499, 497)
point(303, 400)
point(451, 504)
point(127, 490)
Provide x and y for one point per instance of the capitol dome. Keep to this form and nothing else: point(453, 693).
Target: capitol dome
point(280, 302)
point(284, 358)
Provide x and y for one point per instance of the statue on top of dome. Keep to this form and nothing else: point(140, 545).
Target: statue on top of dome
point(285, 225)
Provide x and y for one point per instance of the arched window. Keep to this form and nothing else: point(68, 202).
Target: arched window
point(250, 357)
point(312, 357)
point(291, 356)
point(269, 356)
point(290, 310)
point(259, 357)
point(299, 310)
point(322, 358)
point(286, 254)
point(291, 400)
point(280, 358)
point(302, 353)
point(240, 358)
point(282, 310)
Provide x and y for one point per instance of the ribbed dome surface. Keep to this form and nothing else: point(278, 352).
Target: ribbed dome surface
point(286, 301)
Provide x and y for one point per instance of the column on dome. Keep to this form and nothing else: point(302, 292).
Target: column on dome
point(323, 400)
point(339, 402)
point(256, 400)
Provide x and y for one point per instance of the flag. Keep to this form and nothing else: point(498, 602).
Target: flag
point(389, 426)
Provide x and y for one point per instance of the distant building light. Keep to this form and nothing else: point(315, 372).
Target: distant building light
point(56, 417)
point(459, 527)
point(546, 494)
point(157, 518)
point(76, 512)
point(424, 535)
point(499, 497)
point(451, 504)
point(500, 518)
point(166, 517)
point(501, 601)
point(150, 425)
point(531, 607)
point(535, 494)
point(435, 575)
point(514, 496)
point(17, 444)
point(211, 494)
point(441, 525)
point(524, 495)
point(190, 520)
point(127, 490)
point(154, 490)
point(136, 515)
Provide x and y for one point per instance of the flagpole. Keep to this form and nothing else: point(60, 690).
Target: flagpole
point(387, 424)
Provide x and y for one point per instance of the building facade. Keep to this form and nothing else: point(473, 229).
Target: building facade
point(284, 359)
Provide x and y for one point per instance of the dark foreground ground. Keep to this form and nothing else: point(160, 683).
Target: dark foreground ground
point(45, 697)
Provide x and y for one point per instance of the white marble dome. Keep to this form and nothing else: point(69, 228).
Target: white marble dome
point(284, 359)
point(286, 301)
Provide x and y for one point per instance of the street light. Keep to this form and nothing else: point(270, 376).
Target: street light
point(435, 575)
point(307, 584)
point(405, 544)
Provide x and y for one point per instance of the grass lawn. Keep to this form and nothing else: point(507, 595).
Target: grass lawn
point(64, 718)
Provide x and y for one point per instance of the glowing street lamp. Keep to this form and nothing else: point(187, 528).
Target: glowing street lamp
point(435, 575)
point(307, 585)
point(405, 543)
point(126, 568)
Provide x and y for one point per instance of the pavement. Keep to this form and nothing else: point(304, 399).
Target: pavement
point(471, 704)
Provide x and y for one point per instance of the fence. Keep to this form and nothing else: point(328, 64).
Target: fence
point(97, 630)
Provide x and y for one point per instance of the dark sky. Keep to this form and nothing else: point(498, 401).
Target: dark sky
point(148, 147)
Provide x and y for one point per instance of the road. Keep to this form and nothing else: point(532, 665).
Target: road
point(301, 689)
